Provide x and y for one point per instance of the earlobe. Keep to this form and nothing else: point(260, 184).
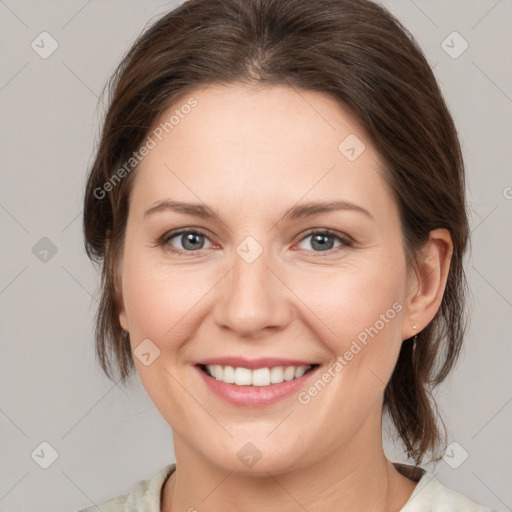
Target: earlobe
point(430, 283)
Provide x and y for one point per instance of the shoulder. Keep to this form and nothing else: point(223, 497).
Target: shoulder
point(145, 495)
point(432, 496)
point(113, 505)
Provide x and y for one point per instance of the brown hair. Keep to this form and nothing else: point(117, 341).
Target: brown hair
point(359, 54)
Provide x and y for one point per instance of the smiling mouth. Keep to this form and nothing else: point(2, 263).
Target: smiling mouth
point(240, 376)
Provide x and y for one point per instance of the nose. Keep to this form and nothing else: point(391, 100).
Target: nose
point(253, 299)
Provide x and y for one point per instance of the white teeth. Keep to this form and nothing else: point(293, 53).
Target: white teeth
point(259, 377)
point(242, 377)
point(276, 375)
point(228, 374)
point(301, 370)
point(218, 372)
point(289, 373)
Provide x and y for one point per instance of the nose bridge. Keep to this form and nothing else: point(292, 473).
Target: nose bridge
point(253, 298)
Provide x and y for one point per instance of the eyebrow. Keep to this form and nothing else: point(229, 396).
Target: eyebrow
point(299, 211)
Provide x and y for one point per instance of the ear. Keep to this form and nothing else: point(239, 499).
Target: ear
point(117, 271)
point(123, 317)
point(426, 286)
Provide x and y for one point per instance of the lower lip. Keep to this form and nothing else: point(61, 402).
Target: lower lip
point(254, 396)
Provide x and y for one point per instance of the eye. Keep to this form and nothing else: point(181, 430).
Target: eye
point(190, 239)
point(323, 240)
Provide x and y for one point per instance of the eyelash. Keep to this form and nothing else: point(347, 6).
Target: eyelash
point(345, 240)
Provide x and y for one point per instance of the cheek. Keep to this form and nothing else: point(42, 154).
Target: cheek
point(160, 300)
point(357, 308)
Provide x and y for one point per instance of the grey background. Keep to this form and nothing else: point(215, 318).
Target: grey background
point(52, 389)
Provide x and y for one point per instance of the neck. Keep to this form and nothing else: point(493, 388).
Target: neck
point(356, 477)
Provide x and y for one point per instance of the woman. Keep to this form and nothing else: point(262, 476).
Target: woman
point(306, 151)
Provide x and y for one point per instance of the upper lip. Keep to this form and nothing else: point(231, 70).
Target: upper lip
point(262, 362)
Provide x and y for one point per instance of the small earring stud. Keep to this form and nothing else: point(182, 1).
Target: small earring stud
point(414, 327)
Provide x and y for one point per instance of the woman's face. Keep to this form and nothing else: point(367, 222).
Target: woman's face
point(252, 282)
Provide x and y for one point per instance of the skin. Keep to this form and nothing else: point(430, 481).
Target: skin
point(250, 153)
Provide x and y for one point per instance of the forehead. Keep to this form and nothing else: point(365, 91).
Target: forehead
point(260, 145)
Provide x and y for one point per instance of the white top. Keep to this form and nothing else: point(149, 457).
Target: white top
point(429, 495)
